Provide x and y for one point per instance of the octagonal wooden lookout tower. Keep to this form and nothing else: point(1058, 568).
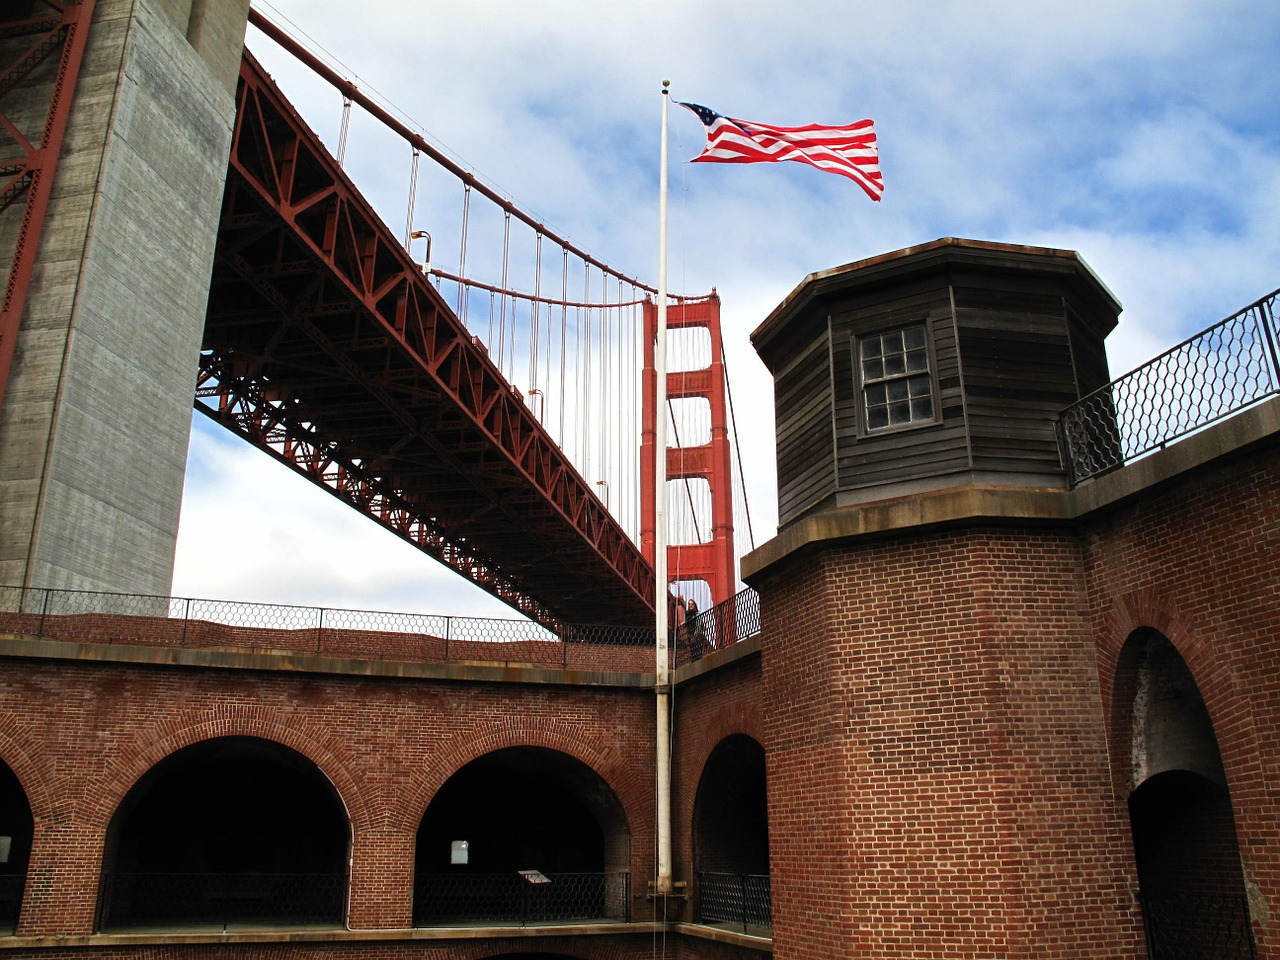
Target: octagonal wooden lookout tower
point(930, 367)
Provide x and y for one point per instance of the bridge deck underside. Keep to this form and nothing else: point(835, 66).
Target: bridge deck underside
point(325, 346)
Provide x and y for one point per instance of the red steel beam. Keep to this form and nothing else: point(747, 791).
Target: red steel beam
point(326, 346)
point(28, 173)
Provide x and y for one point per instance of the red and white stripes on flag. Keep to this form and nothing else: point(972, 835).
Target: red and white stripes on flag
point(849, 151)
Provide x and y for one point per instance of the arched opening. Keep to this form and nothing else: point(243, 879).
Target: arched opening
point(16, 830)
point(1184, 837)
point(522, 834)
point(231, 832)
point(731, 836)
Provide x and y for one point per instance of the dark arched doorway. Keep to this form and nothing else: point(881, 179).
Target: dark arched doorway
point(522, 834)
point(227, 833)
point(731, 835)
point(1184, 836)
point(16, 830)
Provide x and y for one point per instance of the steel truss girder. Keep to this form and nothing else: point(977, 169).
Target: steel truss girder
point(26, 168)
point(401, 359)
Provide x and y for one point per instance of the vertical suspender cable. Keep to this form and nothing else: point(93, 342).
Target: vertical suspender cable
point(502, 298)
point(535, 314)
point(342, 130)
point(413, 197)
point(564, 334)
point(462, 254)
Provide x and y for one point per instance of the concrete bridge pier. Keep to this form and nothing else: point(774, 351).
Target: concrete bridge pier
point(95, 420)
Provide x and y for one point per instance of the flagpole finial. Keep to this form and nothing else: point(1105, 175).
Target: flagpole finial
point(665, 85)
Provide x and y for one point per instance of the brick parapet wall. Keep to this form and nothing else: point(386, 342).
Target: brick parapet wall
point(179, 634)
point(937, 780)
point(1198, 560)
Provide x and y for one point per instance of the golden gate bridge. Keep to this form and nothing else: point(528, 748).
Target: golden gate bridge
point(490, 411)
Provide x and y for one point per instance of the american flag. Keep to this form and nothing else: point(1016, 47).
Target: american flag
point(849, 151)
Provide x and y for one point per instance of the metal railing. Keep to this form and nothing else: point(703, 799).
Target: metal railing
point(11, 886)
point(1205, 927)
point(740, 899)
point(223, 900)
point(97, 617)
point(85, 616)
point(1218, 372)
point(523, 897)
point(724, 624)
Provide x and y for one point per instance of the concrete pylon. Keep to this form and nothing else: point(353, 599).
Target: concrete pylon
point(96, 416)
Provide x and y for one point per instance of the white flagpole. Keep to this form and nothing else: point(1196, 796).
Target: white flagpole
point(663, 755)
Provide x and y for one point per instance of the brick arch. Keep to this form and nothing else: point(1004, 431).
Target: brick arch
point(44, 801)
point(729, 720)
point(247, 720)
point(737, 717)
point(549, 733)
point(1149, 609)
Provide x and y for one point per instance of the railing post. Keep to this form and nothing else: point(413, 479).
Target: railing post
point(1266, 320)
point(186, 621)
point(448, 629)
point(44, 611)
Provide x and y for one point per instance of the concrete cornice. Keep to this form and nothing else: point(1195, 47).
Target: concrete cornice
point(35, 648)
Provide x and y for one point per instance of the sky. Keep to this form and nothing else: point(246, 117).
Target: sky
point(1143, 135)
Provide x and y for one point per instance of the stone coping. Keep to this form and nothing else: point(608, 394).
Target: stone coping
point(14, 645)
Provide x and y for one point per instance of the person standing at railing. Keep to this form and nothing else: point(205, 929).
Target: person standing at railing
point(695, 631)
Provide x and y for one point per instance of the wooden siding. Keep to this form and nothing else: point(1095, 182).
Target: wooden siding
point(806, 452)
point(1018, 373)
point(911, 452)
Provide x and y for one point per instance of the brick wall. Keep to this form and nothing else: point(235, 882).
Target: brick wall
point(1199, 561)
point(938, 781)
point(79, 735)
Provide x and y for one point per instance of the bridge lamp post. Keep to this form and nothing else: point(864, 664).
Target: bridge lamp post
point(423, 235)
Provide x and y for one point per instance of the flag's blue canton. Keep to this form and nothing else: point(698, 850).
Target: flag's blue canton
point(705, 114)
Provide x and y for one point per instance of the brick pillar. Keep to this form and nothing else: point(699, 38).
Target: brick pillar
point(381, 893)
point(62, 879)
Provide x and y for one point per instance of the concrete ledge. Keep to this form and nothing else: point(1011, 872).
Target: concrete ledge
point(34, 648)
point(702, 932)
point(717, 659)
point(974, 503)
point(336, 936)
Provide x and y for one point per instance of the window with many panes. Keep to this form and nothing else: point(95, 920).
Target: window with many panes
point(894, 369)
